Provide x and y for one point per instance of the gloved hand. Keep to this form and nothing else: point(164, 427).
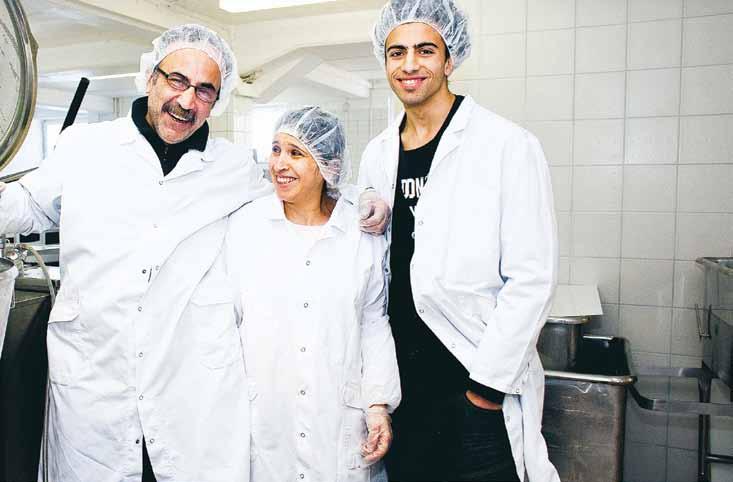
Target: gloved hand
point(374, 212)
point(379, 436)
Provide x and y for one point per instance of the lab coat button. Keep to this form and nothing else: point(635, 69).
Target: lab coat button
point(137, 441)
point(157, 268)
point(145, 271)
point(452, 345)
point(155, 226)
point(140, 397)
point(302, 476)
point(421, 311)
point(302, 392)
point(420, 223)
point(139, 308)
point(302, 435)
point(160, 182)
point(516, 391)
point(140, 355)
point(302, 349)
point(152, 441)
point(305, 305)
point(308, 263)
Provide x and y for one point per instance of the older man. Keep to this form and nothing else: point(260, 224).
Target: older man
point(144, 353)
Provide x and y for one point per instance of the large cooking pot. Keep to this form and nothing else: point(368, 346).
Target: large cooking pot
point(8, 273)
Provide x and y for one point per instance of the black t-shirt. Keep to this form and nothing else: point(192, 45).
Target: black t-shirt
point(425, 363)
point(168, 154)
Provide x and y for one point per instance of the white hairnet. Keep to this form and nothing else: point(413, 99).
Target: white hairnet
point(192, 36)
point(443, 15)
point(323, 135)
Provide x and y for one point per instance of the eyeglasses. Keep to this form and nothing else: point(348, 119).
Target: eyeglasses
point(205, 92)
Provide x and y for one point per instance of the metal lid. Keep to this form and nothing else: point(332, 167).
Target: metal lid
point(6, 265)
point(19, 78)
point(569, 320)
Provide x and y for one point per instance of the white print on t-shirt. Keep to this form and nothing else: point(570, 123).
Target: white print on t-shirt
point(412, 188)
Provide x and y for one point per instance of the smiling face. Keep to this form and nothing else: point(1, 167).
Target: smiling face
point(176, 115)
point(294, 172)
point(417, 63)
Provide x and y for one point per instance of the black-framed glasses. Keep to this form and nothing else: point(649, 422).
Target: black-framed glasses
point(205, 92)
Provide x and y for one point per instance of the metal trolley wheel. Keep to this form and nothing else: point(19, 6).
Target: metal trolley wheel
point(15, 122)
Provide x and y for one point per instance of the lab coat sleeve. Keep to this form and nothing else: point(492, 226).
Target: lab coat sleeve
point(528, 264)
point(33, 204)
point(256, 185)
point(380, 376)
point(367, 168)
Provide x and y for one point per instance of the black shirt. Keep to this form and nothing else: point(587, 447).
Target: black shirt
point(168, 154)
point(426, 365)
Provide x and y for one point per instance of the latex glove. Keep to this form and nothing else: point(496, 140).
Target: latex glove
point(379, 436)
point(374, 213)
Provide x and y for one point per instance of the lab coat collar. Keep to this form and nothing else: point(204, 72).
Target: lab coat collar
point(130, 135)
point(390, 137)
point(340, 217)
point(458, 123)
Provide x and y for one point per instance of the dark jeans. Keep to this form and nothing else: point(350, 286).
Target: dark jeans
point(148, 475)
point(449, 439)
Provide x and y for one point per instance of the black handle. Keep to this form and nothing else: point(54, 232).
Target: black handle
point(81, 90)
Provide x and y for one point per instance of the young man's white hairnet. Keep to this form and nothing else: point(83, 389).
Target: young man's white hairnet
point(323, 135)
point(443, 15)
point(192, 36)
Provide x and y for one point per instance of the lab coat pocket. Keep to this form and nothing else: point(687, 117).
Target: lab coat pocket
point(213, 313)
point(67, 359)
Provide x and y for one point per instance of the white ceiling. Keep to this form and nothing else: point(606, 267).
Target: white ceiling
point(77, 38)
point(210, 8)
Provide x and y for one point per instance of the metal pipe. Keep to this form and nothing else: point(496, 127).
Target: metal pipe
point(719, 459)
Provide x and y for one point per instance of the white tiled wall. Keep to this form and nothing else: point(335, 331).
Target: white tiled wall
point(633, 103)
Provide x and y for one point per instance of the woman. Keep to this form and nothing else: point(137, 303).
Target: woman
point(318, 349)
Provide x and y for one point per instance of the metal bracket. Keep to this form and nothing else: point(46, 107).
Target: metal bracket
point(707, 314)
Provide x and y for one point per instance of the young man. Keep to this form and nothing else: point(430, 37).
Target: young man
point(473, 261)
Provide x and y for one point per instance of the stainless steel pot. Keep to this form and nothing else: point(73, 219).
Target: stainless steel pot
point(559, 342)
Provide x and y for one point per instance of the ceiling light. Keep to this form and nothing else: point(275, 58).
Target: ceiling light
point(238, 6)
point(114, 76)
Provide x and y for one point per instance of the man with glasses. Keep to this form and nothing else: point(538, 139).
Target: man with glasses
point(145, 363)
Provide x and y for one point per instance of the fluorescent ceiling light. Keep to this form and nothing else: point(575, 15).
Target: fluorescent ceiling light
point(238, 6)
point(114, 76)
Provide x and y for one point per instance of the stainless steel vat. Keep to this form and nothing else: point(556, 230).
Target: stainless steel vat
point(559, 342)
point(715, 321)
point(585, 412)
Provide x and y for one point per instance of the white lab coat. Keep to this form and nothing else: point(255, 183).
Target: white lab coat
point(142, 340)
point(485, 261)
point(317, 342)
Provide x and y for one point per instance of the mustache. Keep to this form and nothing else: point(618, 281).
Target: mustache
point(172, 107)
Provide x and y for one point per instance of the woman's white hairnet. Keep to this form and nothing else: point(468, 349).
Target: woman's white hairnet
point(192, 36)
point(323, 135)
point(443, 15)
